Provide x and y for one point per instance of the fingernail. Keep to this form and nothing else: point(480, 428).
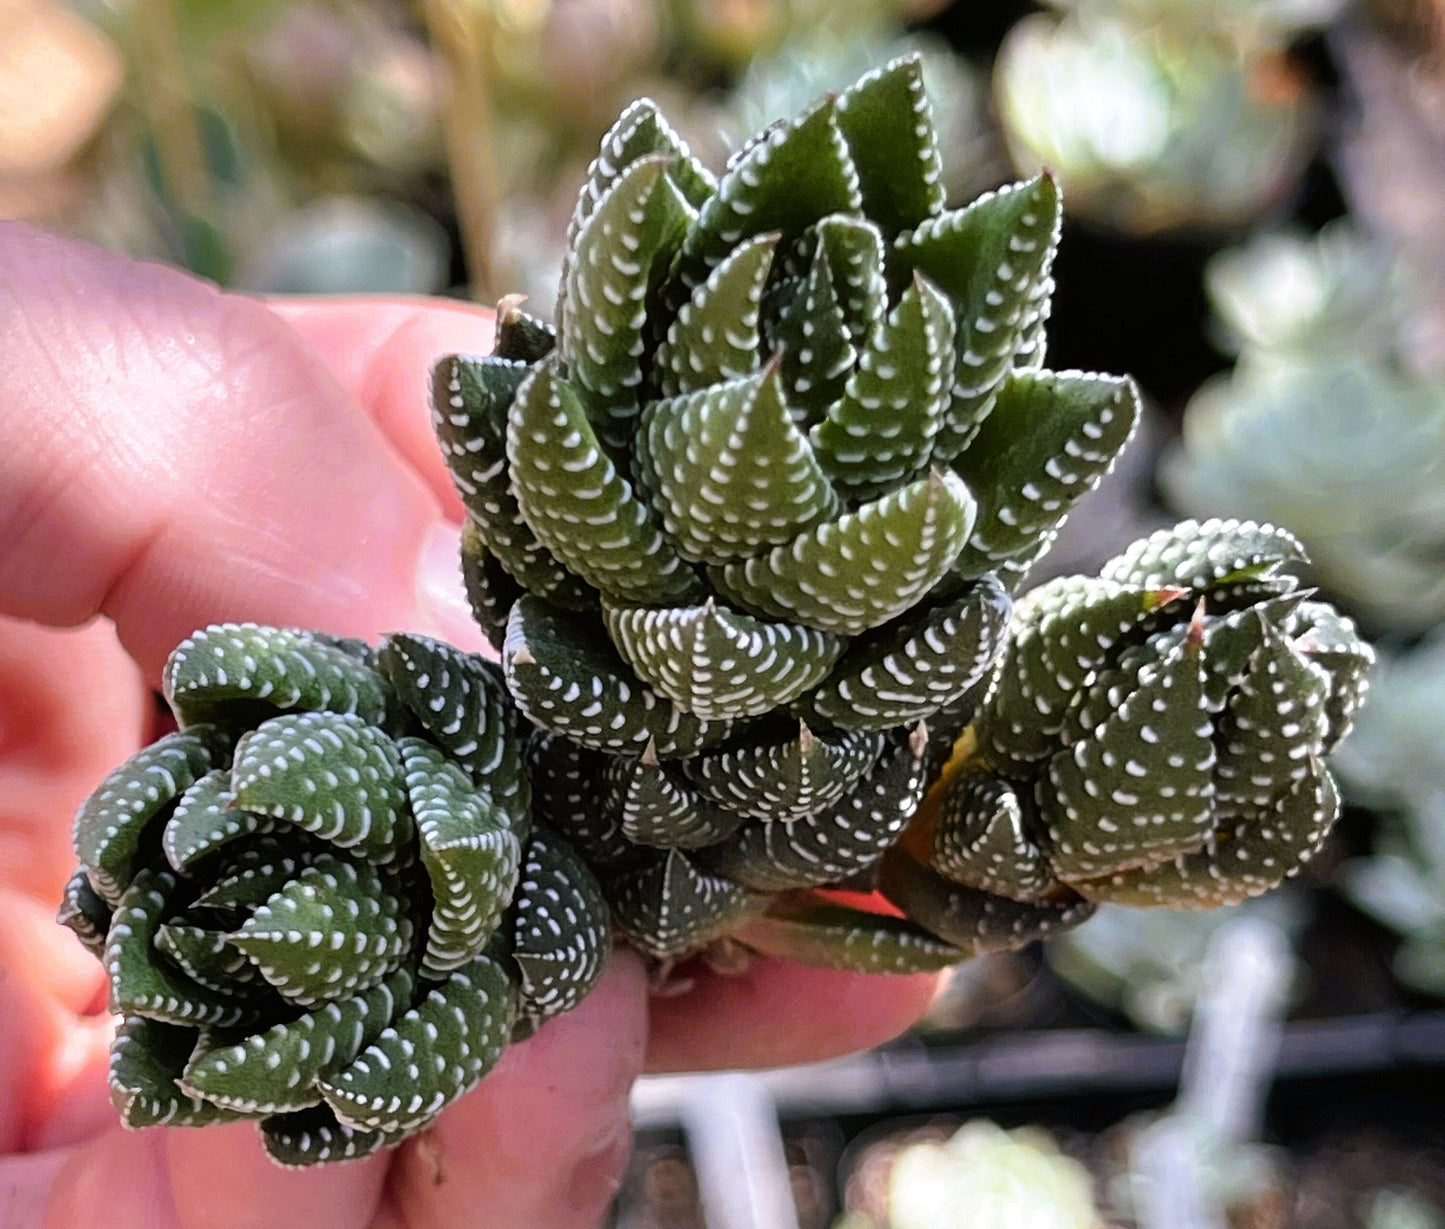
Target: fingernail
point(441, 598)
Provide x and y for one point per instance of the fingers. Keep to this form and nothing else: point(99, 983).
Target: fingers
point(222, 1176)
point(72, 707)
point(381, 351)
point(779, 1013)
point(544, 1140)
point(172, 456)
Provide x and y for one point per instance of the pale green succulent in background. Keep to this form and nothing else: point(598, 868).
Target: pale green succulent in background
point(322, 903)
point(1395, 763)
point(984, 1175)
point(1160, 116)
point(1324, 426)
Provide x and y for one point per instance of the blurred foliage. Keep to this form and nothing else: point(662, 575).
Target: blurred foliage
point(1148, 963)
point(397, 145)
point(1324, 426)
point(1163, 114)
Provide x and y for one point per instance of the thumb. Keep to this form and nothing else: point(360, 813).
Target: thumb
point(174, 456)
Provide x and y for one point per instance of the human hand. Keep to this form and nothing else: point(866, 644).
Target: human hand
point(171, 456)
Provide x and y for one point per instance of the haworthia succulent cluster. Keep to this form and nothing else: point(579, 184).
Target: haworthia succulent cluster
point(323, 903)
point(752, 514)
point(1157, 734)
point(746, 528)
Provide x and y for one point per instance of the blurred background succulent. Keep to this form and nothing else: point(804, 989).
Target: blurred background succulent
point(1325, 425)
point(1395, 762)
point(322, 903)
point(980, 1175)
point(1159, 116)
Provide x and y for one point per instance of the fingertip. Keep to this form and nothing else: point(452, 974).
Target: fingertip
point(544, 1139)
point(779, 1013)
point(221, 1175)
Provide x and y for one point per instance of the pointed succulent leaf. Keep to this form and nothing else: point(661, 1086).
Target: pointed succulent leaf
point(630, 234)
point(334, 930)
point(276, 1071)
point(1063, 632)
point(798, 172)
point(1331, 641)
point(730, 472)
point(854, 252)
point(142, 985)
point(786, 780)
point(1243, 859)
point(567, 796)
point(330, 774)
point(561, 930)
point(257, 875)
point(1204, 554)
point(716, 663)
point(834, 936)
point(670, 907)
point(206, 819)
point(983, 841)
point(470, 852)
point(881, 431)
point(146, 1058)
point(579, 506)
point(114, 824)
point(975, 922)
point(1138, 788)
point(470, 403)
point(916, 665)
point(715, 335)
point(470, 398)
point(992, 258)
point(888, 123)
point(809, 332)
point(1052, 436)
point(567, 677)
point(461, 702)
point(241, 670)
point(85, 913)
point(315, 1137)
point(653, 807)
point(1274, 727)
point(639, 132)
point(521, 336)
point(207, 957)
point(831, 845)
point(430, 1055)
point(864, 568)
point(490, 588)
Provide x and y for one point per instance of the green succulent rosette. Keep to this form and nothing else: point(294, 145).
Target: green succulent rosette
point(1156, 735)
point(751, 515)
point(322, 902)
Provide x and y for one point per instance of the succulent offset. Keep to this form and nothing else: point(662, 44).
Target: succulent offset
point(745, 528)
point(322, 902)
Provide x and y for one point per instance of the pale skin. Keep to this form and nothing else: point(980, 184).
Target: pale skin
point(171, 456)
